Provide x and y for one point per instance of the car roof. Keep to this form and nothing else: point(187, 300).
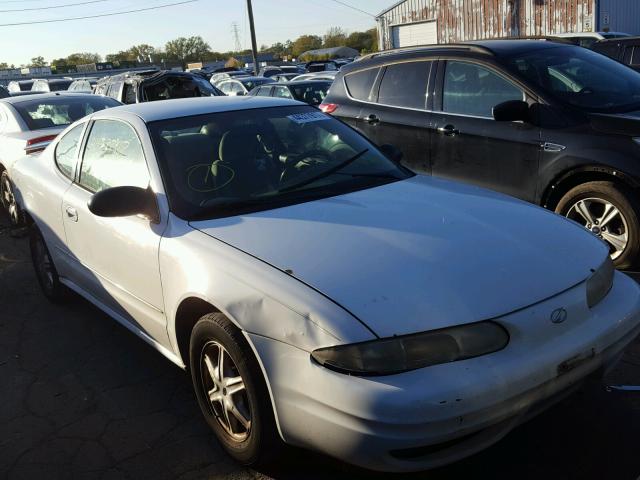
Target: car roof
point(623, 40)
point(187, 107)
point(37, 96)
point(301, 83)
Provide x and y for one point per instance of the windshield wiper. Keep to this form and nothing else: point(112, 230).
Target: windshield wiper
point(324, 174)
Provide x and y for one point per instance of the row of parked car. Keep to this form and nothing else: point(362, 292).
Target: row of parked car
point(320, 289)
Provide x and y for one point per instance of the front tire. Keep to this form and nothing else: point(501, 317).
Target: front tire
point(231, 391)
point(45, 269)
point(610, 211)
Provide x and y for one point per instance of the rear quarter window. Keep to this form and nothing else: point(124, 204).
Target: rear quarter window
point(359, 84)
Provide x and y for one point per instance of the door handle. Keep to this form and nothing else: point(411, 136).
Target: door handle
point(448, 130)
point(373, 119)
point(72, 214)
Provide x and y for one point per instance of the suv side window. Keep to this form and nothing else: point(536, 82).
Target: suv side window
point(282, 92)
point(129, 94)
point(264, 91)
point(470, 89)
point(405, 85)
point(359, 84)
point(65, 154)
point(113, 157)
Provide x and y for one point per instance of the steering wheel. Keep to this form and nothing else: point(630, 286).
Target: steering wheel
point(293, 160)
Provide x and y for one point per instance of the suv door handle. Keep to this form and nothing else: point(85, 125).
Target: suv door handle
point(373, 119)
point(72, 214)
point(448, 130)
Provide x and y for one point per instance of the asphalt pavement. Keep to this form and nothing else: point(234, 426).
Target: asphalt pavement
point(82, 398)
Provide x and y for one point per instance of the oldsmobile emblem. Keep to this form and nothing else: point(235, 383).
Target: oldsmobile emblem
point(559, 315)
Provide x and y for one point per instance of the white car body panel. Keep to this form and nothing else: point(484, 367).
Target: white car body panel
point(392, 267)
point(409, 256)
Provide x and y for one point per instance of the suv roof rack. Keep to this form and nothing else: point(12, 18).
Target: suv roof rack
point(440, 46)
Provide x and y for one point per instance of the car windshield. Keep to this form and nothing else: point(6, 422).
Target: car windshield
point(59, 111)
point(581, 78)
point(313, 93)
point(229, 163)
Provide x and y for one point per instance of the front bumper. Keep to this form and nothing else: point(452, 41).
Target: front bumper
point(434, 416)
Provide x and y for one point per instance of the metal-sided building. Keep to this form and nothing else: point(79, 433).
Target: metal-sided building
point(420, 22)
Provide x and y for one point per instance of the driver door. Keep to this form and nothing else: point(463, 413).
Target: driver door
point(116, 258)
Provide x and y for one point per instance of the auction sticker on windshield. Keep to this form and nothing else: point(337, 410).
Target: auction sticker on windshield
point(308, 117)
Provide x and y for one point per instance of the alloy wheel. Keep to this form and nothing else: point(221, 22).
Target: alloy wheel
point(9, 200)
point(225, 389)
point(603, 219)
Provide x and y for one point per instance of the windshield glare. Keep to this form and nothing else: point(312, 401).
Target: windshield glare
point(225, 163)
point(581, 78)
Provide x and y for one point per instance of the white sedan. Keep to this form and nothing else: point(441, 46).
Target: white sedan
point(29, 123)
point(319, 293)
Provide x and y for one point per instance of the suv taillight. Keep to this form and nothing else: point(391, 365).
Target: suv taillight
point(328, 107)
point(38, 144)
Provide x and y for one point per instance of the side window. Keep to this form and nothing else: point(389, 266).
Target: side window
point(66, 149)
point(129, 94)
point(282, 92)
point(628, 55)
point(113, 157)
point(474, 90)
point(264, 91)
point(635, 57)
point(359, 84)
point(225, 87)
point(405, 85)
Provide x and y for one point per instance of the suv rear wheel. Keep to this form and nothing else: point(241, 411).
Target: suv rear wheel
point(609, 211)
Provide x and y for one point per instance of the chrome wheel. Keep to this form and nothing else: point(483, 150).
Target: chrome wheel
point(603, 219)
point(225, 389)
point(9, 200)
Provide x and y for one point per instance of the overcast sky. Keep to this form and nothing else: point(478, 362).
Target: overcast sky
point(276, 20)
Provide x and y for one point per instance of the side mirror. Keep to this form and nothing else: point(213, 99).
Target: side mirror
point(511, 111)
point(124, 202)
point(391, 152)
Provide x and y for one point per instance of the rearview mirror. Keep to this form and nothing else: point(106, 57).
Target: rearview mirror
point(392, 152)
point(124, 202)
point(511, 111)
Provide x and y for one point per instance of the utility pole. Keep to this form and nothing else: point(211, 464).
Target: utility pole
point(236, 36)
point(254, 46)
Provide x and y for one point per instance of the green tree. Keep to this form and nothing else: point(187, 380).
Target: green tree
point(363, 41)
point(143, 52)
point(38, 62)
point(185, 50)
point(120, 56)
point(335, 37)
point(304, 43)
point(83, 58)
point(4, 65)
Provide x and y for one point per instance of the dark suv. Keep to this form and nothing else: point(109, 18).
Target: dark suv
point(152, 85)
point(625, 50)
point(554, 124)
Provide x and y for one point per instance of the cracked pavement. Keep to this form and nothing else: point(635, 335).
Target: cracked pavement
point(82, 398)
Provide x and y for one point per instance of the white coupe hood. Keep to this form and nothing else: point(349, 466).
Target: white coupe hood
point(419, 254)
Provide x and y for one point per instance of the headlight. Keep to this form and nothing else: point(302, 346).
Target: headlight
point(409, 352)
point(599, 284)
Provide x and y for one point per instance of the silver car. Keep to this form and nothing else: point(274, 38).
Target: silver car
point(29, 123)
point(319, 293)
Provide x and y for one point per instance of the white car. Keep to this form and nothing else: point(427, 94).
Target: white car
point(588, 39)
point(29, 123)
point(319, 293)
point(325, 75)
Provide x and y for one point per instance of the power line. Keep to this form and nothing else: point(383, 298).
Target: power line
point(353, 8)
point(99, 15)
point(52, 6)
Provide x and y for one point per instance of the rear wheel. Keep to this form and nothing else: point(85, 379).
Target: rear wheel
point(231, 391)
point(609, 211)
point(46, 272)
point(9, 203)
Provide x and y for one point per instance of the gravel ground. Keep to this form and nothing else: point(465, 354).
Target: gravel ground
point(82, 398)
